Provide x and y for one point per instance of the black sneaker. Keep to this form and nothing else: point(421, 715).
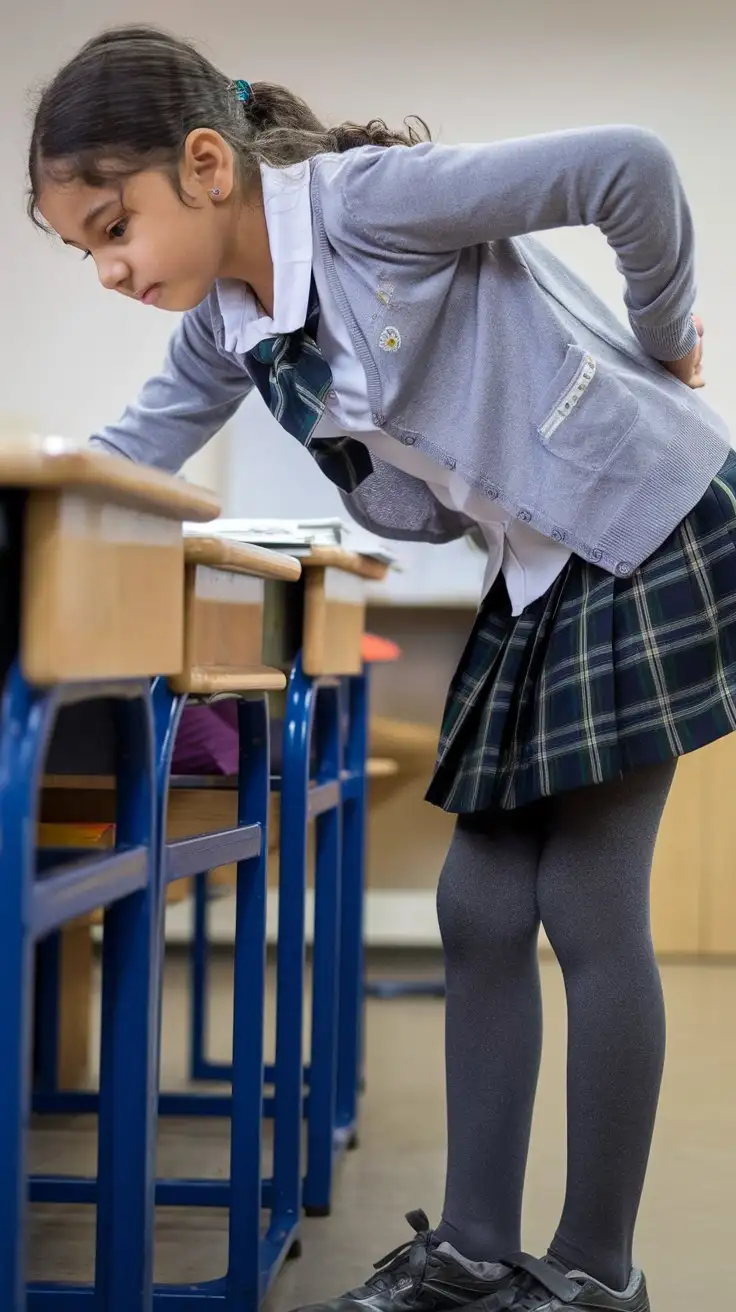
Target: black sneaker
point(421, 1276)
point(541, 1287)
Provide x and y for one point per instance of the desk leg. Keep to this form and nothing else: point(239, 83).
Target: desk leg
point(350, 1045)
point(17, 815)
point(125, 1183)
point(129, 1055)
point(15, 1045)
point(253, 1260)
point(244, 1280)
point(288, 1072)
point(199, 964)
point(325, 966)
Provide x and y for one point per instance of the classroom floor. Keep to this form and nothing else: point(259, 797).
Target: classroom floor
point(686, 1230)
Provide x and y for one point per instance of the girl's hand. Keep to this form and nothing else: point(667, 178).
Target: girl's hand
point(688, 369)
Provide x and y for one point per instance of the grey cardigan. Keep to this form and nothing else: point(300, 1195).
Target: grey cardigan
point(500, 362)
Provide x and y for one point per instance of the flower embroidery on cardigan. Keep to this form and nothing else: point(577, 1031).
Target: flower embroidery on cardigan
point(390, 339)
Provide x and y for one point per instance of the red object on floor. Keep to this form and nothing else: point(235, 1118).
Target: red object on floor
point(374, 649)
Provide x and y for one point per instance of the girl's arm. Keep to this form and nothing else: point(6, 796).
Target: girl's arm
point(621, 179)
point(181, 408)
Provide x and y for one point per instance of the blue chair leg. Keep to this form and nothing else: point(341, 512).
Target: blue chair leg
point(325, 967)
point(350, 1045)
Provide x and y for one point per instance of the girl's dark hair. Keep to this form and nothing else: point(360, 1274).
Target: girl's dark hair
point(129, 98)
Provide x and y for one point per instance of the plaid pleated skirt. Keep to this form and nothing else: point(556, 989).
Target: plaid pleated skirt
point(601, 675)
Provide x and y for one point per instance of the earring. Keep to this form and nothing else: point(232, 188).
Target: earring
point(215, 192)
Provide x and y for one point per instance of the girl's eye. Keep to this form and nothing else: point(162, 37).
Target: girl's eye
point(118, 229)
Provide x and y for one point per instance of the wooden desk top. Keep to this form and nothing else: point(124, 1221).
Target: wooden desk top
point(52, 463)
point(240, 558)
point(348, 561)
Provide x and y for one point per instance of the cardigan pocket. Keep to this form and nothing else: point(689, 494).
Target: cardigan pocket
point(585, 412)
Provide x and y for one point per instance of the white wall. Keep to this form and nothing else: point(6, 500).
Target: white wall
point(71, 355)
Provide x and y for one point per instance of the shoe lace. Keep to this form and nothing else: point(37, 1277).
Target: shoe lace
point(528, 1294)
point(533, 1283)
point(388, 1267)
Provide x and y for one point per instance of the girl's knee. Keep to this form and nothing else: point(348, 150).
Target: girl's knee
point(485, 907)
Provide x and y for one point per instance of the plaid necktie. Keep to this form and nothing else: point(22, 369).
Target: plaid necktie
point(294, 378)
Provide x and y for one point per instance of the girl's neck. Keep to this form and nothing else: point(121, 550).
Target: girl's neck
point(248, 256)
point(263, 291)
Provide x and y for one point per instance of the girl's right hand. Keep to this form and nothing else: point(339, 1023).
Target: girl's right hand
point(688, 369)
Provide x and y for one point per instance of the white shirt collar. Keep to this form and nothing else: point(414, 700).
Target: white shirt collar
point(288, 210)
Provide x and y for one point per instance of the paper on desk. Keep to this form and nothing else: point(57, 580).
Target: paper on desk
point(297, 536)
point(277, 532)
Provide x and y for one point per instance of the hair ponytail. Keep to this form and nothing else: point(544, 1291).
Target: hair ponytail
point(128, 100)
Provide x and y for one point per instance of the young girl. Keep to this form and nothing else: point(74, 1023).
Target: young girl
point(450, 375)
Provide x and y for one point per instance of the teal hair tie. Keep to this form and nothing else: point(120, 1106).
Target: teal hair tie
point(243, 90)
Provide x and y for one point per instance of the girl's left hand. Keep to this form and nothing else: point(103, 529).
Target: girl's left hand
point(688, 369)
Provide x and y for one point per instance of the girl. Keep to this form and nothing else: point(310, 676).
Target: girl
point(451, 376)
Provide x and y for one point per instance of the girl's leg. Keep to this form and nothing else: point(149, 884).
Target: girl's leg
point(593, 895)
point(490, 925)
point(489, 920)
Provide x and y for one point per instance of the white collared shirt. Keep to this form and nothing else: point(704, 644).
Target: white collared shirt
point(530, 562)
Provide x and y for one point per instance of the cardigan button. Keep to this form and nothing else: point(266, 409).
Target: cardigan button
point(624, 568)
point(597, 554)
point(558, 535)
point(525, 516)
point(410, 441)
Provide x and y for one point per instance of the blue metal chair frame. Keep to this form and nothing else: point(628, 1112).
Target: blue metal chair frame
point(40, 891)
point(332, 714)
point(254, 1259)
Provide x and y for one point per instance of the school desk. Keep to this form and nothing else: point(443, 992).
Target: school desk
point(325, 711)
point(91, 563)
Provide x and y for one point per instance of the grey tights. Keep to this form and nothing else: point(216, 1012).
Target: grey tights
point(581, 864)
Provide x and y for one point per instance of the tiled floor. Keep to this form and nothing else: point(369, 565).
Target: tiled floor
point(687, 1229)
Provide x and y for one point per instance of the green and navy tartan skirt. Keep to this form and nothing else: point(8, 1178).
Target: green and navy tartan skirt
point(601, 675)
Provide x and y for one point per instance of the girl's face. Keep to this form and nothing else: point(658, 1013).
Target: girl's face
point(146, 242)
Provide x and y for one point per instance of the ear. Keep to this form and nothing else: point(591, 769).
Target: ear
point(207, 163)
